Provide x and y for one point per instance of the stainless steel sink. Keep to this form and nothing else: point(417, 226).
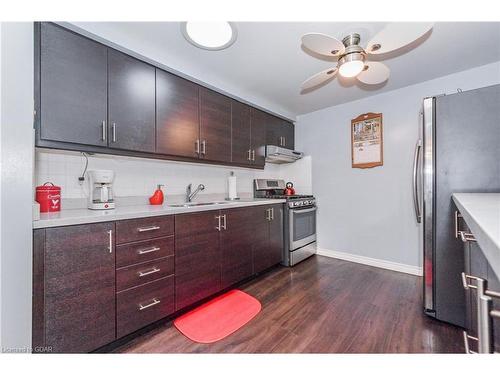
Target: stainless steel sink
point(196, 204)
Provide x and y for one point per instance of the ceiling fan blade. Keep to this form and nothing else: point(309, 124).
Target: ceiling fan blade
point(374, 74)
point(323, 44)
point(319, 78)
point(397, 35)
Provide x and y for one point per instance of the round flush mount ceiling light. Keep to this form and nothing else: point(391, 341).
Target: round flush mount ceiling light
point(212, 36)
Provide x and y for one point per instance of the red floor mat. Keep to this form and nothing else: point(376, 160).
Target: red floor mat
point(219, 317)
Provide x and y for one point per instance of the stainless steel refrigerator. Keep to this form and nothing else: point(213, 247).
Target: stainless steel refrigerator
point(458, 151)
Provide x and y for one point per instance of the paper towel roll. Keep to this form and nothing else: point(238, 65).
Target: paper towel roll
point(231, 187)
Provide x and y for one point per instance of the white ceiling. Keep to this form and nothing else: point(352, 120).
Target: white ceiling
point(267, 65)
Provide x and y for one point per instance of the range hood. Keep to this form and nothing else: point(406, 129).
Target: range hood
point(280, 155)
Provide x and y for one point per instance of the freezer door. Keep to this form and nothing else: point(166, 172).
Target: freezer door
point(467, 153)
point(427, 174)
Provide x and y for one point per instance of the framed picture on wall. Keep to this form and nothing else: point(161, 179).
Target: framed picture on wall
point(367, 145)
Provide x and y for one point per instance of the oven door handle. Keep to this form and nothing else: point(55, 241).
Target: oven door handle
point(303, 211)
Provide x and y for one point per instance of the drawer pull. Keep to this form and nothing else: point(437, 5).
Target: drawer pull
point(145, 273)
point(155, 301)
point(148, 250)
point(148, 229)
point(466, 343)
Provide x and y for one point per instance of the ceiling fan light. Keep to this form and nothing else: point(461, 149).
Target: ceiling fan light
point(351, 65)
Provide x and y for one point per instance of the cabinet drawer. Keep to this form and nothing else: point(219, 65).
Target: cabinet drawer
point(144, 229)
point(142, 273)
point(144, 251)
point(143, 305)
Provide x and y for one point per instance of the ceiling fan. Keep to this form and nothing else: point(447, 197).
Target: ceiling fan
point(352, 57)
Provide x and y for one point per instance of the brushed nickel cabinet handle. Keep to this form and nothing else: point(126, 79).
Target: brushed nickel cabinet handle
point(155, 301)
point(268, 214)
point(151, 271)
point(224, 225)
point(110, 247)
point(218, 227)
point(148, 250)
point(249, 157)
point(253, 155)
point(466, 342)
point(204, 147)
point(148, 229)
point(467, 237)
point(272, 213)
point(197, 147)
point(103, 129)
point(113, 130)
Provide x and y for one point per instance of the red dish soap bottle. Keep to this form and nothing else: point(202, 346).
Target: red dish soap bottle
point(157, 197)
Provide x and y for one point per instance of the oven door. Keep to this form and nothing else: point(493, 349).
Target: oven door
point(302, 227)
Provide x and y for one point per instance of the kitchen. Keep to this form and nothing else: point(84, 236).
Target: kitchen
point(175, 208)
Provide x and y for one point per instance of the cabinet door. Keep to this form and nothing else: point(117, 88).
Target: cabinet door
point(236, 245)
point(288, 133)
point(268, 237)
point(478, 266)
point(73, 92)
point(197, 257)
point(131, 103)
point(494, 284)
point(177, 115)
point(241, 126)
point(215, 130)
point(276, 234)
point(273, 128)
point(79, 287)
point(258, 138)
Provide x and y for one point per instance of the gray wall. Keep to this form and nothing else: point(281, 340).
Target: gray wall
point(16, 196)
point(369, 212)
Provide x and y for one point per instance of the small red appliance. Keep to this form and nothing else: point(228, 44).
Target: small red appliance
point(289, 190)
point(48, 196)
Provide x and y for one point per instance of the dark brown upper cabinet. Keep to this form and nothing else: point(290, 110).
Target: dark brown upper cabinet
point(177, 115)
point(241, 133)
point(258, 138)
point(73, 88)
point(248, 135)
point(215, 129)
point(279, 132)
point(131, 108)
point(93, 98)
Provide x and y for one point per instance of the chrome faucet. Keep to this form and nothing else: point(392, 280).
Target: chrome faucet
point(190, 195)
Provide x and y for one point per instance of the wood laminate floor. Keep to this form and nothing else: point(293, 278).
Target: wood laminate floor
point(324, 305)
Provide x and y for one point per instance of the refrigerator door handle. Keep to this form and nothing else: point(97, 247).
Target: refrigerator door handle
point(416, 159)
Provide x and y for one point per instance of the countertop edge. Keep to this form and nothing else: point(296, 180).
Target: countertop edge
point(117, 215)
point(489, 245)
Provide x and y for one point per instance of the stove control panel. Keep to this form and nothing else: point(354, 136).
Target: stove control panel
point(302, 203)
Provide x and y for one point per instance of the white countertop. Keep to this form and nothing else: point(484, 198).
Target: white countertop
point(86, 216)
point(481, 212)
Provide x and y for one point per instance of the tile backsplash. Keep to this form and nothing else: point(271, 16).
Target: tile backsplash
point(139, 177)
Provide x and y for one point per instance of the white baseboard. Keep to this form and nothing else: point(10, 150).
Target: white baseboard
point(393, 266)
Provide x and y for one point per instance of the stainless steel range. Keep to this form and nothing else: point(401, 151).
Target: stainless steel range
point(299, 220)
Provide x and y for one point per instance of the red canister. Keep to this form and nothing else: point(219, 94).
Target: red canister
point(49, 197)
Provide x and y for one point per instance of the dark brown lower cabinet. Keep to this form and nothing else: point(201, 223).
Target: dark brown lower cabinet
point(477, 265)
point(212, 254)
point(236, 241)
point(197, 257)
point(85, 296)
point(145, 304)
point(78, 282)
point(268, 241)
